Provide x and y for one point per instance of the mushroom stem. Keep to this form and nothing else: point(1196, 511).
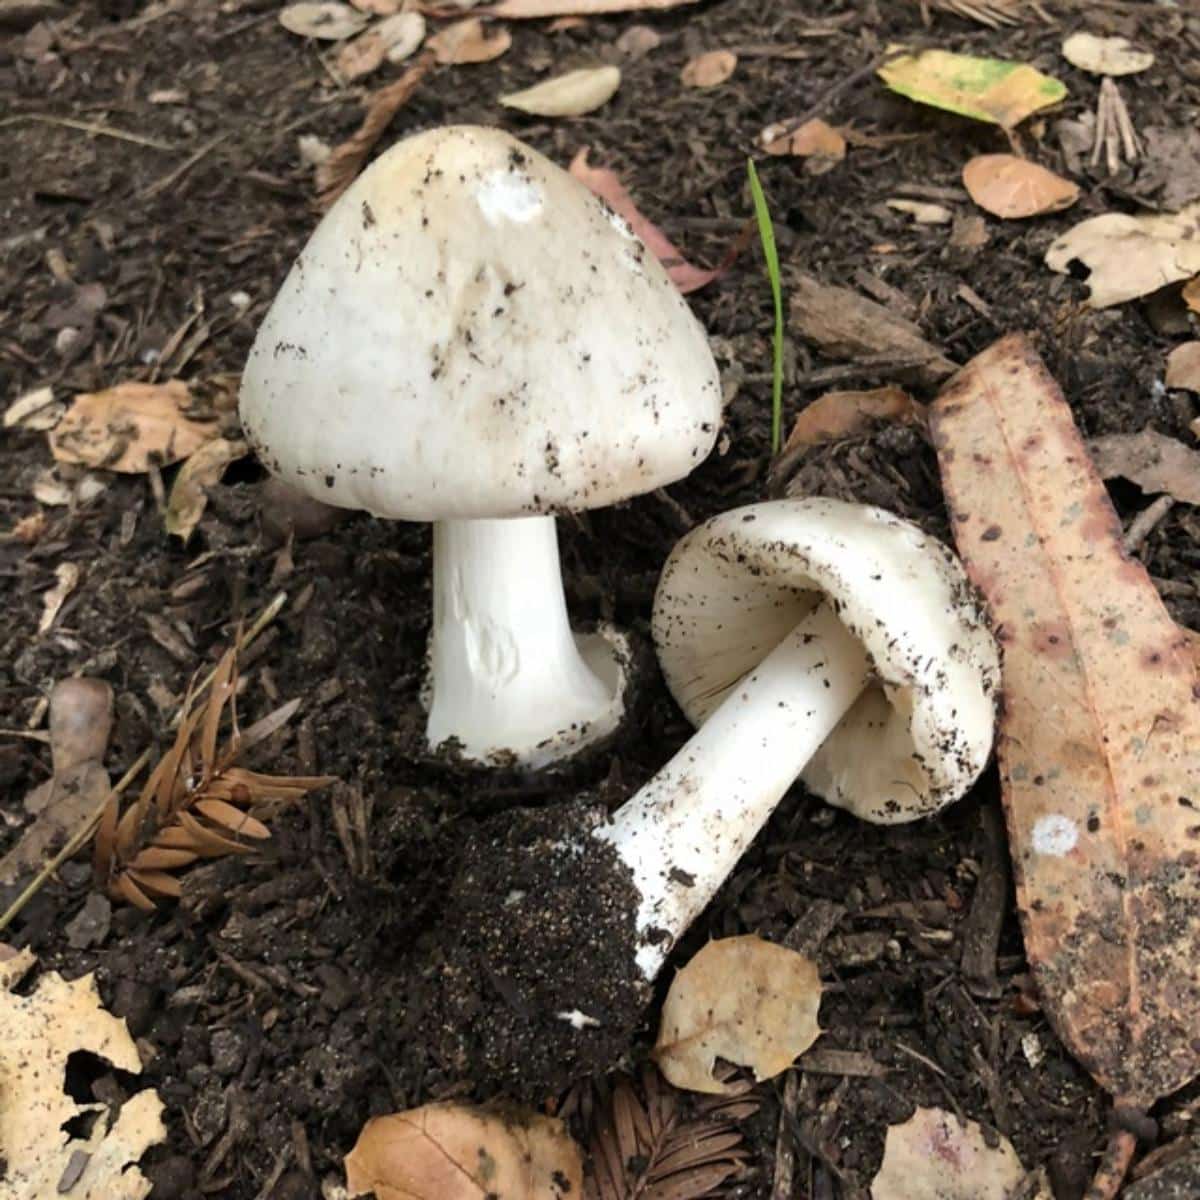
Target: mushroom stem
point(683, 832)
point(506, 671)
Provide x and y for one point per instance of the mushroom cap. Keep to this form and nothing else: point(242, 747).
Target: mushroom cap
point(470, 333)
point(921, 732)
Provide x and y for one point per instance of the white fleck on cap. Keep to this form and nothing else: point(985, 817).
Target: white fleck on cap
point(471, 333)
point(919, 735)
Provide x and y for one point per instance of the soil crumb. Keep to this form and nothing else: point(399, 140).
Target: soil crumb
point(528, 981)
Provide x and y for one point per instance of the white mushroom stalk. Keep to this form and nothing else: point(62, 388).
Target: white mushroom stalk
point(502, 654)
point(814, 640)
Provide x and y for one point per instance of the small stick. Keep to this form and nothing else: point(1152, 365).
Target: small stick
point(1118, 1154)
point(80, 837)
point(1145, 522)
point(92, 127)
point(180, 171)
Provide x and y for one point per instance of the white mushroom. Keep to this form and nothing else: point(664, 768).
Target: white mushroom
point(470, 337)
point(814, 640)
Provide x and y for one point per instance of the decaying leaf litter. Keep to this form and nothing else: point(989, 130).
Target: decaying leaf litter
point(959, 294)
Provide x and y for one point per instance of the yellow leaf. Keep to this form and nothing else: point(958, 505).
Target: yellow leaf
point(741, 999)
point(985, 89)
point(569, 95)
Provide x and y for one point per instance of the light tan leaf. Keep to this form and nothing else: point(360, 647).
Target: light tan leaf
point(1155, 462)
point(25, 410)
point(67, 577)
point(1183, 367)
point(638, 40)
point(81, 718)
point(741, 999)
point(922, 211)
point(569, 95)
point(708, 70)
point(1100, 724)
point(469, 41)
point(1191, 294)
point(189, 492)
point(331, 22)
point(934, 1156)
point(1130, 256)
point(452, 1152)
point(816, 141)
point(337, 172)
point(607, 185)
point(522, 10)
point(233, 818)
point(405, 36)
point(1012, 187)
point(838, 415)
point(1105, 55)
point(130, 427)
point(41, 1032)
point(378, 8)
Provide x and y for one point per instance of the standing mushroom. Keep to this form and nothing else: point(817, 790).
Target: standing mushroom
point(810, 639)
point(472, 338)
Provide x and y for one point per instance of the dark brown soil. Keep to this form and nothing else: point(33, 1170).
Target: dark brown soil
point(276, 1002)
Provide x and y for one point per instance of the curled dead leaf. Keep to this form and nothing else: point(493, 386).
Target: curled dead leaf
point(1155, 462)
point(823, 145)
point(131, 427)
point(331, 22)
point(569, 95)
point(1191, 294)
point(1105, 55)
point(709, 70)
point(838, 415)
point(1012, 187)
point(453, 1152)
point(638, 40)
point(469, 41)
point(741, 999)
point(1183, 367)
point(189, 492)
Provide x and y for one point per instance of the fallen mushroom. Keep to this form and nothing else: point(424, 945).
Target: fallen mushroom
point(809, 639)
point(471, 338)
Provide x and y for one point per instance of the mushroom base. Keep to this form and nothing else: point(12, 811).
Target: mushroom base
point(528, 981)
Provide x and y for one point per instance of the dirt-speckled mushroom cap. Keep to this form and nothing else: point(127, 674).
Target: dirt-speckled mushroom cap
point(471, 333)
point(921, 732)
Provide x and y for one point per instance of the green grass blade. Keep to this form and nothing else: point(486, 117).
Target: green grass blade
point(766, 233)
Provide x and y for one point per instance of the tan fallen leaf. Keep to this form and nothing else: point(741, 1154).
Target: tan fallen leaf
point(708, 70)
point(1130, 256)
point(30, 410)
point(1155, 462)
point(67, 576)
point(189, 492)
point(393, 40)
point(569, 95)
point(378, 8)
point(743, 1000)
point(838, 415)
point(1012, 187)
point(523, 10)
point(14, 965)
point(1183, 367)
point(985, 89)
point(1098, 734)
point(1105, 55)
point(821, 144)
point(1191, 294)
point(29, 530)
point(638, 40)
point(607, 185)
point(339, 169)
point(935, 1156)
point(922, 211)
point(453, 1152)
point(130, 427)
point(41, 1032)
point(469, 41)
point(330, 22)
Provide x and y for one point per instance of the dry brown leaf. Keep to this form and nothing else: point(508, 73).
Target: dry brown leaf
point(1105, 55)
point(469, 41)
point(338, 171)
point(523, 10)
point(41, 1032)
point(569, 95)
point(608, 186)
point(189, 492)
point(1155, 462)
point(638, 40)
point(922, 211)
point(1101, 720)
point(25, 411)
point(378, 8)
point(131, 427)
point(708, 70)
point(81, 718)
point(66, 577)
point(1012, 187)
point(935, 1156)
point(816, 141)
point(1183, 364)
point(1191, 294)
point(1129, 256)
point(743, 1000)
point(838, 415)
point(452, 1152)
point(29, 530)
point(842, 324)
point(331, 22)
